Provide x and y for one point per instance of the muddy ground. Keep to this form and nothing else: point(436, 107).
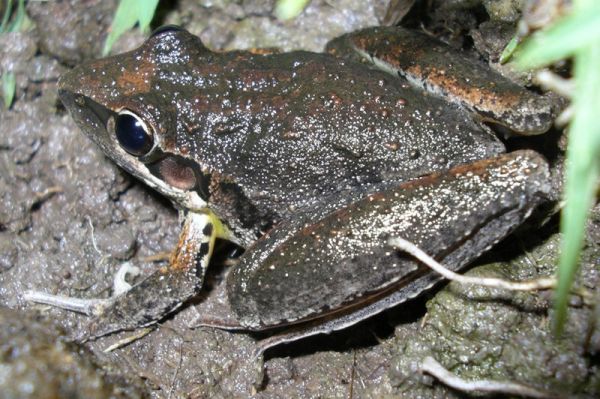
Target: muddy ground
point(69, 217)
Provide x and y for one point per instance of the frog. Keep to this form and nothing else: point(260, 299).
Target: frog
point(313, 163)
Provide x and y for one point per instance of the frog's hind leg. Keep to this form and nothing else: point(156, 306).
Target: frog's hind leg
point(327, 270)
point(434, 67)
point(156, 296)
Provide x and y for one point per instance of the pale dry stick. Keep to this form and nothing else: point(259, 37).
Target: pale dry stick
point(129, 339)
point(89, 220)
point(565, 116)
point(157, 257)
point(551, 81)
point(90, 307)
point(412, 249)
point(120, 284)
point(42, 196)
point(565, 87)
point(351, 388)
point(432, 367)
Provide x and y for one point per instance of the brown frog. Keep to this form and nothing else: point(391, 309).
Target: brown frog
point(312, 162)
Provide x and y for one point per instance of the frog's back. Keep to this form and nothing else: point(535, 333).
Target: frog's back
point(293, 128)
point(276, 133)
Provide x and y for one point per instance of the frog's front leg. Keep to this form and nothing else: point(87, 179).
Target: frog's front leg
point(160, 293)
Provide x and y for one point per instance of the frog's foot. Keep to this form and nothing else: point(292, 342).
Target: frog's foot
point(89, 307)
point(156, 296)
point(145, 303)
point(130, 307)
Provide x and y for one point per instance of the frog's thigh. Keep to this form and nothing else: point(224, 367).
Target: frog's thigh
point(435, 67)
point(167, 288)
point(340, 262)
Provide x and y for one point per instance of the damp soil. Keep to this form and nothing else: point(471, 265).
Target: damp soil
point(69, 217)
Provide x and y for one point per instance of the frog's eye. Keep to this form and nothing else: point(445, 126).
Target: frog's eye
point(133, 134)
point(166, 28)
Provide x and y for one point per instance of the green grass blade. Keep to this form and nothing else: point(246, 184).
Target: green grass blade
point(19, 18)
point(9, 86)
point(146, 10)
point(509, 50)
point(6, 16)
point(583, 171)
point(578, 35)
point(560, 41)
point(128, 14)
point(288, 9)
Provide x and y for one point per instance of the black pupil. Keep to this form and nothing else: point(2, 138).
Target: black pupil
point(132, 135)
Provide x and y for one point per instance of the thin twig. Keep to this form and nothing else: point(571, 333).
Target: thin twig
point(432, 367)
point(551, 81)
point(89, 220)
point(42, 196)
point(565, 116)
point(139, 334)
point(351, 389)
point(531, 285)
point(120, 284)
point(157, 257)
point(89, 307)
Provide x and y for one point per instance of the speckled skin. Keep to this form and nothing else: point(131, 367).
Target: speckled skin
point(274, 133)
point(437, 68)
point(313, 149)
point(290, 275)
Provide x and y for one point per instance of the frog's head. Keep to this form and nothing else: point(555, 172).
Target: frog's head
point(124, 104)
